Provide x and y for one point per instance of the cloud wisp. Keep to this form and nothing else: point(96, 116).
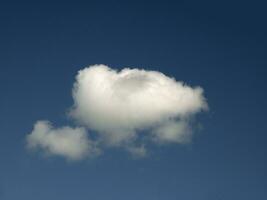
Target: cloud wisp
point(127, 109)
point(71, 143)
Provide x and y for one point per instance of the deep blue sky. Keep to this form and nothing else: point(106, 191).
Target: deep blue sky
point(220, 46)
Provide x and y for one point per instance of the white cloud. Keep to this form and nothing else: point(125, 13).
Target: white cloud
point(126, 108)
point(120, 104)
point(71, 143)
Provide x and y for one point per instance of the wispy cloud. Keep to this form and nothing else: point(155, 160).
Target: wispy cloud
point(72, 143)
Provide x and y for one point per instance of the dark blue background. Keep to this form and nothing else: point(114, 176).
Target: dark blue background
point(219, 45)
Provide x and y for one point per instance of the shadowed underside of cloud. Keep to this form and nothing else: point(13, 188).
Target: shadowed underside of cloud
point(127, 109)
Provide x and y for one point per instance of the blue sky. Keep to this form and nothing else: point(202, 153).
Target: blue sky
point(218, 46)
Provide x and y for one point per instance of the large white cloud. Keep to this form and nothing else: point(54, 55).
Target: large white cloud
point(120, 104)
point(126, 108)
point(68, 142)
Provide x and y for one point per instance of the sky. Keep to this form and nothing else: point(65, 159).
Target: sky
point(49, 50)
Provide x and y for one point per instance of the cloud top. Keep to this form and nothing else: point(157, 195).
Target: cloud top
point(126, 108)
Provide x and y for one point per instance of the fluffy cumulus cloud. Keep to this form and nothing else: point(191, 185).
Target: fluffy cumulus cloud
point(119, 105)
point(127, 108)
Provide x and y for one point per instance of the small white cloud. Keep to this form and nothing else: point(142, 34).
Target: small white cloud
point(137, 151)
point(71, 143)
point(173, 131)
